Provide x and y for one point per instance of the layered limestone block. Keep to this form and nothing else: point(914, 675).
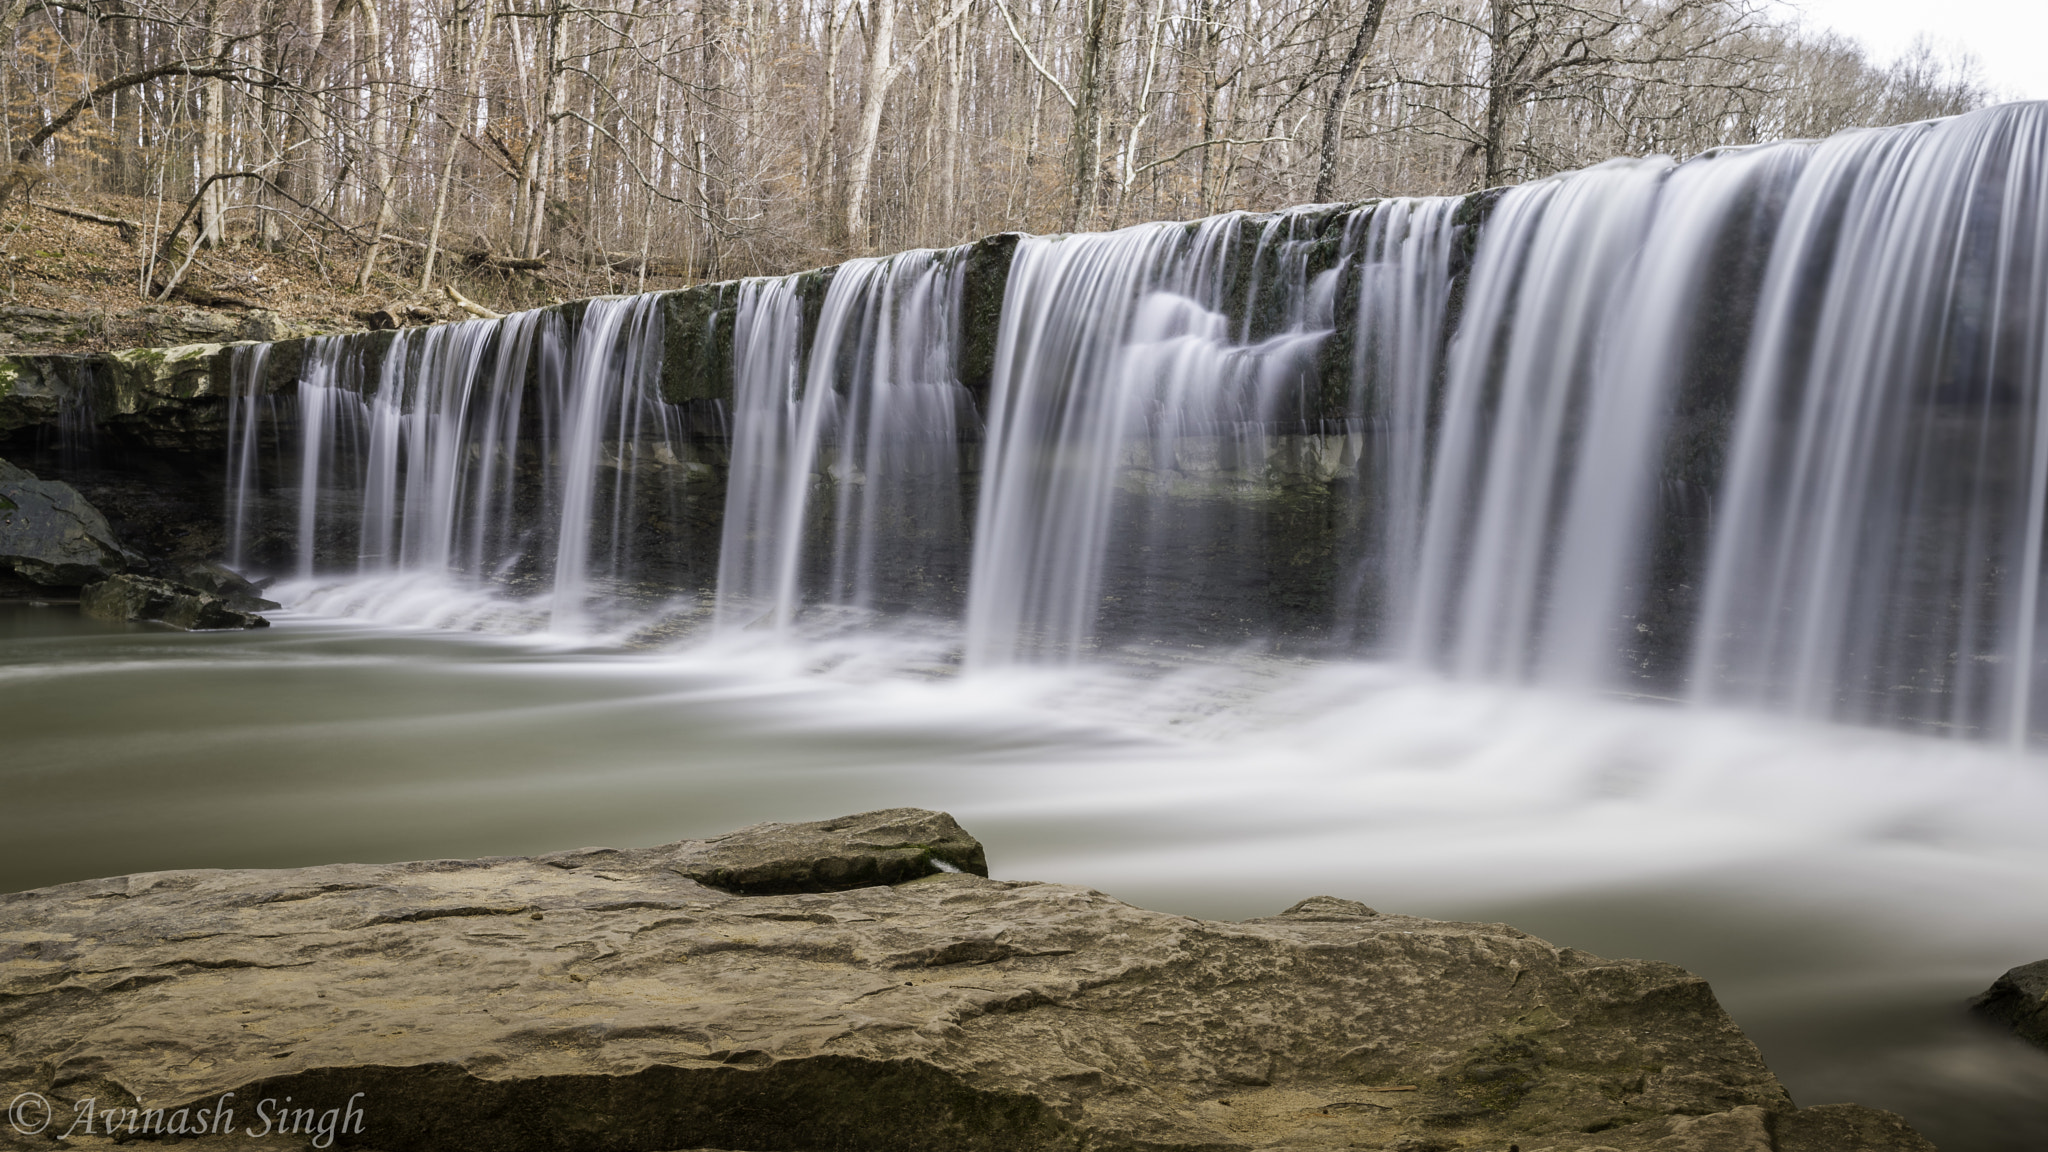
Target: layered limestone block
point(603, 999)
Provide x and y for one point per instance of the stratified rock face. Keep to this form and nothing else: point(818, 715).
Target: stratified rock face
point(601, 1000)
point(50, 535)
point(2019, 999)
point(886, 847)
point(145, 598)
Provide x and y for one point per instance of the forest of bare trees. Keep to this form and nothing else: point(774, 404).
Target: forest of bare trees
point(605, 142)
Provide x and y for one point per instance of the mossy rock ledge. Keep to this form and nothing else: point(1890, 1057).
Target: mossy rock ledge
point(603, 999)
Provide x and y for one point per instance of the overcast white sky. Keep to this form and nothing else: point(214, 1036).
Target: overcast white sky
point(2008, 37)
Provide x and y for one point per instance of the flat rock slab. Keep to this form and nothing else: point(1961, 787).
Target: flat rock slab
point(603, 1000)
point(873, 848)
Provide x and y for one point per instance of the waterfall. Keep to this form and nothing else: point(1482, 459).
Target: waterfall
point(767, 388)
point(1119, 373)
point(845, 482)
point(1879, 543)
point(1764, 428)
point(429, 467)
point(1401, 251)
point(611, 403)
point(1577, 334)
point(247, 367)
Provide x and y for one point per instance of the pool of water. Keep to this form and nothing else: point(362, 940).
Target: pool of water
point(1845, 890)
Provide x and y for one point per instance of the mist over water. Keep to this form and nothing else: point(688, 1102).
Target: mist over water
point(1648, 557)
point(1844, 889)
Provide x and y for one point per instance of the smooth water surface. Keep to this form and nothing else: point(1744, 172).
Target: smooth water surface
point(1845, 890)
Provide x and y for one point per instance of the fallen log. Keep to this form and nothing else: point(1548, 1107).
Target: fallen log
point(470, 306)
point(130, 230)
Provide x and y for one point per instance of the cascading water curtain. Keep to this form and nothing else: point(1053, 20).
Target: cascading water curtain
point(248, 366)
point(410, 474)
point(1878, 544)
point(430, 465)
point(1767, 427)
point(767, 379)
point(1151, 362)
point(1401, 253)
point(618, 451)
point(1578, 333)
point(845, 471)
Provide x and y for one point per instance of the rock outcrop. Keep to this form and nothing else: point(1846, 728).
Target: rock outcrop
point(239, 591)
point(602, 999)
point(148, 599)
point(50, 535)
point(888, 847)
point(2019, 1000)
point(31, 327)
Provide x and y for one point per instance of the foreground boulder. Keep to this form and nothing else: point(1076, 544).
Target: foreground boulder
point(146, 598)
point(50, 535)
point(602, 1000)
point(886, 847)
point(2019, 1000)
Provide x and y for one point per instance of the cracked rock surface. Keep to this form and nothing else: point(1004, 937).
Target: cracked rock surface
point(602, 999)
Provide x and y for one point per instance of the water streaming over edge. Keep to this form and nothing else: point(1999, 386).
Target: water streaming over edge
point(1756, 428)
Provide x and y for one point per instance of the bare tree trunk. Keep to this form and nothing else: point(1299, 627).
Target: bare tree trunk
point(1333, 117)
point(1127, 152)
point(541, 159)
point(391, 164)
point(651, 175)
point(873, 96)
point(213, 95)
point(712, 34)
point(882, 72)
point(710, 231)
point(1085, 148)
point(1021, 212)
point(826, 167)
point(268, 234)
point(465, 109)
point(949, 168)
point(1500, 78)
point(10, 19)
point(1209, 45)
point(315, 166)
point(377, 140)
point(128, 168)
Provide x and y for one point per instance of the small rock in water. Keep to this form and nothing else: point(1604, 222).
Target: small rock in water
point(238, 590)
point(2019, 1000)
point(145, 598)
